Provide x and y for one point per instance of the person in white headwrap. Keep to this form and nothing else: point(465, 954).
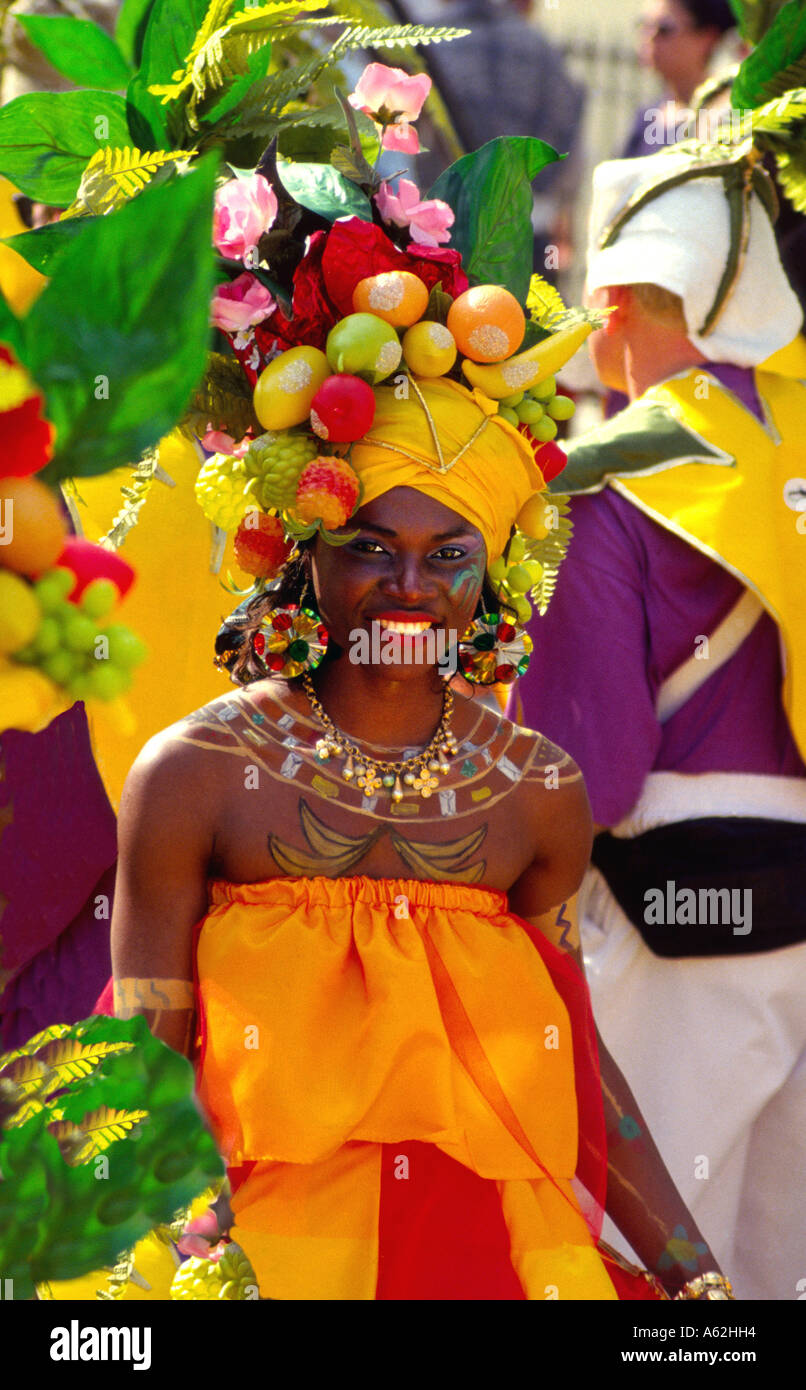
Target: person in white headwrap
point(672, 666)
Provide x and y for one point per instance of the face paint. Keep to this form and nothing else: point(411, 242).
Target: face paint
point(470, 577)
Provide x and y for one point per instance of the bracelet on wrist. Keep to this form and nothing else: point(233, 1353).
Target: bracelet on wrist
point(706, 1286)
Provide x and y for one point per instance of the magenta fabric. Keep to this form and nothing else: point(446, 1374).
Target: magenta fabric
point(57, 855)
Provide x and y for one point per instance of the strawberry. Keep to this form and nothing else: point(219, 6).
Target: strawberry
point(326, 492)
point(260, 545)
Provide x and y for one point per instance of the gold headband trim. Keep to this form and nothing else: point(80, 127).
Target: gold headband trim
point(441, 466)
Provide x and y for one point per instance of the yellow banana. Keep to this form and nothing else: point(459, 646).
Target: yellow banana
point(522, 372)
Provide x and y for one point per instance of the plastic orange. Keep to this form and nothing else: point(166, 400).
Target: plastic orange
point(397, 296)
point(487, 322)
point(32, 518)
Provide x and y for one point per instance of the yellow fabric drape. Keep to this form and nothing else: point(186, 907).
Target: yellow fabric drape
point(490, 481)
point(341, 1014)
point(19, 282)
point(737, 514)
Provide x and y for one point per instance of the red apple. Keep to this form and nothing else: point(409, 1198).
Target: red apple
point(343, 409)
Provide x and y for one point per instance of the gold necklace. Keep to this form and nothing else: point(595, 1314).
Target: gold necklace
point(375, 774)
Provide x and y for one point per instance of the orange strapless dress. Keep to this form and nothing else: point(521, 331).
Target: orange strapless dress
point(390, 1069)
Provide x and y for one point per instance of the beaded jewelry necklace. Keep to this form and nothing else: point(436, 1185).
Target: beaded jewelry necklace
point(374, 774)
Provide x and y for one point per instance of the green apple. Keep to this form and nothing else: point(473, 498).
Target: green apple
point(365, 346)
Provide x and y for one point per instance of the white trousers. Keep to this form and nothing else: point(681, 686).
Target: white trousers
point(714, 1050)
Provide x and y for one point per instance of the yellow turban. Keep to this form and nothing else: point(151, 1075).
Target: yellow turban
point(494, 472)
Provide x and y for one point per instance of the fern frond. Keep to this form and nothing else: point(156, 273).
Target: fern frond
point(69, 1059)
point(791, 168)
point(143, 475)
point(781, 115)
point(257, 114)
point(543, 301)
point(223, 401)
point(114, 175)
point(97, 1132)
point(551, 550)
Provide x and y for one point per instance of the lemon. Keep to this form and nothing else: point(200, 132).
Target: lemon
point(20, 613)
point(429, 349)
point(286, 388)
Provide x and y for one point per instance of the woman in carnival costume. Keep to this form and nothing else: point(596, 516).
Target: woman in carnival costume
point(347, 888)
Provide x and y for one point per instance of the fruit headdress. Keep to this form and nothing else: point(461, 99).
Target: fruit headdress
point(377, 350)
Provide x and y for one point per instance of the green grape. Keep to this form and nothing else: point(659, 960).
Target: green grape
point(523, 608)
point(49, 638)
point(125, 647)
point(79, 686)
point(106, 682)
point(561, 408)
point(508, 415)
point(53, 588)
point(98, 598)
point(60, 666)
point(535, 570)
point(497, 569)
point(516, 550)
point(544, 430)
point(530, 412)
point(511, 402)
point(519, 579)
point(79, 632)
point(544, 390)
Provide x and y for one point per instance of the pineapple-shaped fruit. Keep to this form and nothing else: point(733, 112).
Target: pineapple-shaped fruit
point(221, 491)
point(226, 1274)
point(276, 460)
point(327, 492)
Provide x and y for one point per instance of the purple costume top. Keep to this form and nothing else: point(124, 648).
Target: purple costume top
point(631, 598)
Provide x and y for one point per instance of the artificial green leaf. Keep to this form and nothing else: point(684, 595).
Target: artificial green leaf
point(169, 37)
point(117, 356)
point(755, 16)
point(9, 325)
point(46, 138)
point(770, 70)
point(311, 134)
point(322, 189)
point(130, 28)
point(257, 68)
point(80, 50)
point(42, 247)
point(490, 192)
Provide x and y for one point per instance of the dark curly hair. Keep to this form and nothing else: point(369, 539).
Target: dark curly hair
point(233, 644)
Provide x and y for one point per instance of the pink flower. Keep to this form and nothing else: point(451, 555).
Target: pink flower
point(240, 304)
point(401, 137)
point(244, 210)
point(389, 93)
point(428, 222)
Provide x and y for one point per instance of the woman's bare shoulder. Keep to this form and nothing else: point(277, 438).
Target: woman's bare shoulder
point(532, 752)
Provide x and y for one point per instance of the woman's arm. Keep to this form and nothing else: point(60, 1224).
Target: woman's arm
point(165, 844)
point(641, 1196)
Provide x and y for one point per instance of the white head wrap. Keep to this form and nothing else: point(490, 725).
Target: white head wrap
point(680, 240)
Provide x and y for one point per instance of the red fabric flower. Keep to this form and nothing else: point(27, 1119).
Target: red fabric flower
point(356, 249)
point(26, 440)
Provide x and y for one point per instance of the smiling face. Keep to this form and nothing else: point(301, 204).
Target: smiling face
point(414, 567)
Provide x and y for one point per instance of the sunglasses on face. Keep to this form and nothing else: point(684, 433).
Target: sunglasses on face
point(661, 29)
